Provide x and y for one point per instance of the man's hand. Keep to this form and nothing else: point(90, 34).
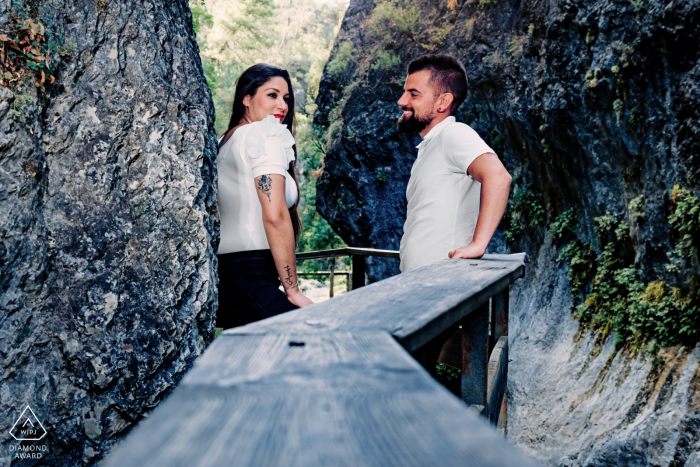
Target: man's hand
point(471, 251)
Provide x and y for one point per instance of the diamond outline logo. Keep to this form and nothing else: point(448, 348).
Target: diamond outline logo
point(36, 419)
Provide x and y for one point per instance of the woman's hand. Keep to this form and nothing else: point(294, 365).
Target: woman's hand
point(299, 299)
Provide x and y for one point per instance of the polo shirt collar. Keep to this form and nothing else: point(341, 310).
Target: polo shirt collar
point(436, 130)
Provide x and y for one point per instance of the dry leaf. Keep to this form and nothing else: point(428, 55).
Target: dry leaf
point(43, 77)
point(52, 79)
point(3, 37)
point(31, 131)
point(37, 84)
point(37, 28)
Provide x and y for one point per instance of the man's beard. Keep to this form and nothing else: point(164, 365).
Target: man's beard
point(414, 124)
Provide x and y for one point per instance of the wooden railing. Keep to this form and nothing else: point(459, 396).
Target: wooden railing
point(334, 383)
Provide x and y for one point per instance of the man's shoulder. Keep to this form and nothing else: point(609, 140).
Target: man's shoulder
point(459, 130)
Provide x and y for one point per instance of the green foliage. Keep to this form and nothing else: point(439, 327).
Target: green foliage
point(515, 47)
point(341, 60)
point(619, 108)
point(619, 300)
point(563, 224)
point(590, 37)
point(391, 17)
point(248, 28)
point(496, 58)
point(484, 4)
point(317, 234)
point(634, 117)
point(382, 175)
point(450, 377)
point(592, 77)
point(139, 209)
point(525, 211)
point(636, 206)
point(638, 5)
point(581, 258)
point(531, 28)
point(201, 19)
point(685, 221)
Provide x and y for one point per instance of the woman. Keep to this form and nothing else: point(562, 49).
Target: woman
point(258, 200)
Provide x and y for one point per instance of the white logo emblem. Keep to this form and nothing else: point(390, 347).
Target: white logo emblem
point(28, 427)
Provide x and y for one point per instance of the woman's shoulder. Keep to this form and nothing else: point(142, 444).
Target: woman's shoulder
point(269, 127)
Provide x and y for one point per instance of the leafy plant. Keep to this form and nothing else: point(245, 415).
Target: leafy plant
point(563, 224)
point(382, 175)
point(685, 221)
point(618, 299)
point(484, 4)
point(391, 17)
point(496, 58)
point(525, 211)
point(386, 59)
point(515, 47)
point(619, 108)
point(341, 60)
point(638, 5)
point(581, 258)
point(634, 117)
point(636, 206)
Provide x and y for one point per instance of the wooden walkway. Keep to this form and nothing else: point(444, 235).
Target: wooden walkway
point(335, 384)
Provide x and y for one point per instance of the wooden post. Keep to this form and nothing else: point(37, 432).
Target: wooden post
point(475, 358)
point(332, 272)
point(358, 271)
point(499, 307)
point(499, 328)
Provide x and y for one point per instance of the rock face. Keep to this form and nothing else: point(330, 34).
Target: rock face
point(590, 104)
point(108, 227)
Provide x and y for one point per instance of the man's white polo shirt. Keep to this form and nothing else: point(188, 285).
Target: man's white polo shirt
point(443, 200)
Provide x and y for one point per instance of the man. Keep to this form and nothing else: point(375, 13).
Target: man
point(458, 189)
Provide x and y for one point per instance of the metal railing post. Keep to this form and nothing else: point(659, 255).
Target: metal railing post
point(475, 357)
point(332, 273)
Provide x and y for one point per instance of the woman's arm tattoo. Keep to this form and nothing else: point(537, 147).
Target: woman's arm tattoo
point(265, 185)
point(288, 279)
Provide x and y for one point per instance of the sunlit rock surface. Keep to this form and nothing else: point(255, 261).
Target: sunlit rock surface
point(107, 227)
point(590, 104)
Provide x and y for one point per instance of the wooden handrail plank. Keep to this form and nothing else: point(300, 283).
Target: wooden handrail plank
point(414, 306)
point(342, 398)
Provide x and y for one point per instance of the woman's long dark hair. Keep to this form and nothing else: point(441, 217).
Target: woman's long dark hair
point(247, 85)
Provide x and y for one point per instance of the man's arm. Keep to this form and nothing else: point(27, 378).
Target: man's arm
point(495, 180)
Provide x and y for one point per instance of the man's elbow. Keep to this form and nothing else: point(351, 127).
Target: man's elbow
point(506, 179)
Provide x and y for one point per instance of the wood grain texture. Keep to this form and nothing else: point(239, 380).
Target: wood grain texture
point(497, 379)
point(475, 357)
point(342, 398)
point(414, 306)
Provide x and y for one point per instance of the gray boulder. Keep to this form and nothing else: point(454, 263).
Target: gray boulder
point(108, 227)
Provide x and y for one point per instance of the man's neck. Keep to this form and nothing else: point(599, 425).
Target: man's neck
point(433, 124)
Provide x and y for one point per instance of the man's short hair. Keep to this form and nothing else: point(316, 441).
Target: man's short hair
point(446, 73)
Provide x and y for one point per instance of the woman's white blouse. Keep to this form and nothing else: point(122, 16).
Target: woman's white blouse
point(259, 148)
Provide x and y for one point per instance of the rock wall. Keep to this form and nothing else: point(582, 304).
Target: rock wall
point(108, 227)
point(590, 104)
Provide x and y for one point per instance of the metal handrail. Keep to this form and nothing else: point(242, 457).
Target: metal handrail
point(357, 255)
